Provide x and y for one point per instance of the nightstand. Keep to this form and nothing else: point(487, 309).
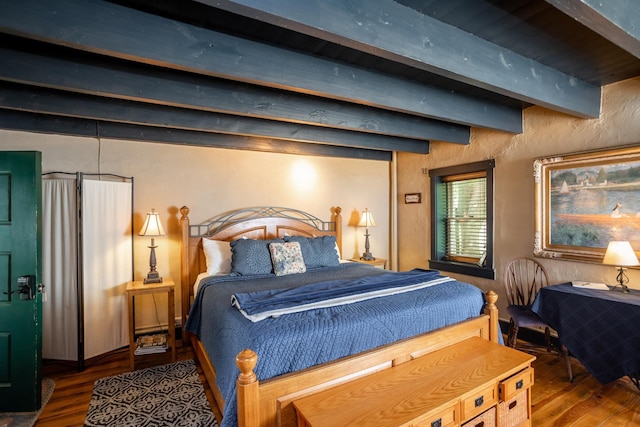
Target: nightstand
point(139, 288)
point(378, 262)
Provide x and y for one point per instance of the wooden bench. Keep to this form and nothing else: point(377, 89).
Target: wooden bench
point(472, 381)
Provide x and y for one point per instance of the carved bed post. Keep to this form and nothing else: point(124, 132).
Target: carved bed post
point(184, 270)
point(492, 310)
point(337, 218)
point(247, 389)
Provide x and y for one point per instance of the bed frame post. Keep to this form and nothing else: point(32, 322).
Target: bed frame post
point(337, 219)
point(247, 389)
point(184, 270)
point(492, 310)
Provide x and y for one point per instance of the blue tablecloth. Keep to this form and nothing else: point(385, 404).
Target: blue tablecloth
point(599, 328)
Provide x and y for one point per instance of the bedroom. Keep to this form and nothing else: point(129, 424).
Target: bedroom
point(169, 176)
point(268, 179)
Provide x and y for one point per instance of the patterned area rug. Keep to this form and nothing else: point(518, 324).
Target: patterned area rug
point(167, 395)
point(28, 419)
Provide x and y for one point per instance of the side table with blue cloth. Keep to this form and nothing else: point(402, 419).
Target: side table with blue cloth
point(600, 328)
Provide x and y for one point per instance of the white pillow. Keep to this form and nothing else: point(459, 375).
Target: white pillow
point(217, 253)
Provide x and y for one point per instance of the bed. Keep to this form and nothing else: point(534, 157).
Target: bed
point(257, 365)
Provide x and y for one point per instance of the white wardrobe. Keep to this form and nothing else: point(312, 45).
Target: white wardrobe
point(87, 259)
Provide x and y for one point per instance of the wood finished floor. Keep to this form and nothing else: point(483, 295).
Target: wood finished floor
point(70, 400)
point(555, 401)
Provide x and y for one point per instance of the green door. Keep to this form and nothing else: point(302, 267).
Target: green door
point(20, 270)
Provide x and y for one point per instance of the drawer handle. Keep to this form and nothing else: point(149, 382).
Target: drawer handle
point(513, 404)
point(479, 401)
point(437, 423)
point(480, 424)
point(519, 384)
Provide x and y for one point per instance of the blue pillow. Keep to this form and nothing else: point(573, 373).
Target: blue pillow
point(317, 251)
point(250, 257)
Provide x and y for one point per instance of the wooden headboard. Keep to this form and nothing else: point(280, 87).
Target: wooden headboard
point(260, 223)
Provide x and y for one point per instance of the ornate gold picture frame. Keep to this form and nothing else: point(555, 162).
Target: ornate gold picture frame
point(585, 200)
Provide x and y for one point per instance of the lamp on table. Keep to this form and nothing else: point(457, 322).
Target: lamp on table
point(366, 220)
point(621, 254)
point(152, 228)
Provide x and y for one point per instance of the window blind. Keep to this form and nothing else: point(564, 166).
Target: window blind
point(466, 217)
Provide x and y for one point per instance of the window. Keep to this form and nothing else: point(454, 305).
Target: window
point(462, 219)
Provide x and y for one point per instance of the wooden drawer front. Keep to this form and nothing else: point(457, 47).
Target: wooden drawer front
point(516, 384)
point(515, 411)
point(486, 419)
point(443, 418)
point(479, 401)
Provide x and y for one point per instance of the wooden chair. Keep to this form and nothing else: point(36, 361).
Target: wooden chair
point(523, 278)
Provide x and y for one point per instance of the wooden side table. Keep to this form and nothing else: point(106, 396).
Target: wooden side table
point(139, 288)
point(378, 262)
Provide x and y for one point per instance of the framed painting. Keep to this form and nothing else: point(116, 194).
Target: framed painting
point(585, 200)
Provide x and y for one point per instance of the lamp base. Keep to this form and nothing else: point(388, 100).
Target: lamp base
point(367, 256)
point(622, 280)
point(152, 277)
point(623, 288)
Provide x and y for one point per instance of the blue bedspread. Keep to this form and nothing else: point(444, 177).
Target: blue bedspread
point(262, 304)
point(300, 340)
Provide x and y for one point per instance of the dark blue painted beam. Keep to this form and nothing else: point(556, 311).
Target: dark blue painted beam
point(46, 101)
point(113, 30)
point(41, 123)
point(185, 137)
point(131, 81)
point(398, 33)
point(615, 20)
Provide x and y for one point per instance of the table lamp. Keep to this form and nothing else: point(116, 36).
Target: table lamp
point(152, 228)
point(366, 220)
point(621, 254)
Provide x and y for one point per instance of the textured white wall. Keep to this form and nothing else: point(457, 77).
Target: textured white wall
point(211, 181)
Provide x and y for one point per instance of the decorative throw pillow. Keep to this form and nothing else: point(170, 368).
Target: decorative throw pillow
point(217, 254)
point(318, 251)
point(287, 258)
point(251, 257)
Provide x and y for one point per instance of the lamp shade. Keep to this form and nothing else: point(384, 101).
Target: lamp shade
point(152, 225)
point(366, 219)
point(620, 253)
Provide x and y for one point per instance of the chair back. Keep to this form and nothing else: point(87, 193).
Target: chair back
point(523, 278)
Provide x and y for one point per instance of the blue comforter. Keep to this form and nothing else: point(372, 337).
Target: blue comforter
point(296, 341)
point(262, 304)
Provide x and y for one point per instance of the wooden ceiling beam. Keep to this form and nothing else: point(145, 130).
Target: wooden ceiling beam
point(131, 81)
point(615, 20)
point(398, 33)
point(41, 123)
point(268, 145)
point(47, 101)
point(113, 30)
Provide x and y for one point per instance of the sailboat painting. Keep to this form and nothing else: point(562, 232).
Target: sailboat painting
point(585, 201)
point(565, 188)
